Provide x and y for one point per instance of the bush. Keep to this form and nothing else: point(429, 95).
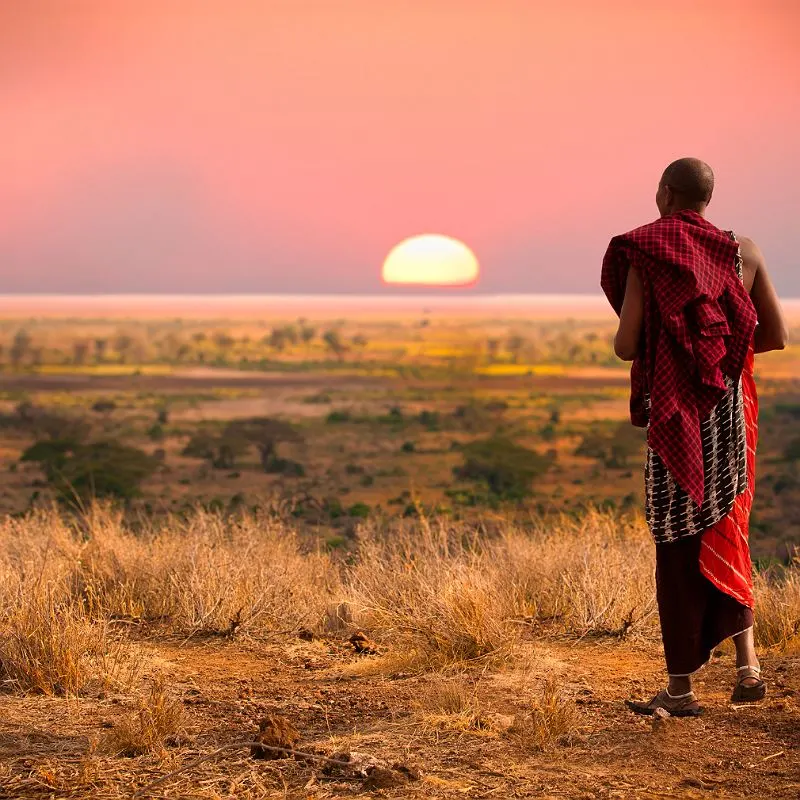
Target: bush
point(360, 510)
point(81, 472)
point(158, 718)
point(506, 468)
point(53, 648)
point(285, 466)
point(408, 447)
point(338, 416)
point(615, 448)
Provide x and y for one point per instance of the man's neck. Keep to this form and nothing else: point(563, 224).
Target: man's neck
point(699, 211)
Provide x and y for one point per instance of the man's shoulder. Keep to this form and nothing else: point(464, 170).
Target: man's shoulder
point(750, 251)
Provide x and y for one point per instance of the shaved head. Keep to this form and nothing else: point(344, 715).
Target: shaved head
point(686, 185)
point(691, 179)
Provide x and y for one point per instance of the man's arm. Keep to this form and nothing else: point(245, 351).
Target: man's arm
point(772, 333)
point(629, 333)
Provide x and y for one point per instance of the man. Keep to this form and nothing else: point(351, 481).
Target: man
point(695, 304)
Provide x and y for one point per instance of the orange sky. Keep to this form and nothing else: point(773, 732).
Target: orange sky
point(287, 145)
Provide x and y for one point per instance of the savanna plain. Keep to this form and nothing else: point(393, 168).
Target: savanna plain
point(279, 551)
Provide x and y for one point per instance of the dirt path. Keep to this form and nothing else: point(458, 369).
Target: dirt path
point(47, 745)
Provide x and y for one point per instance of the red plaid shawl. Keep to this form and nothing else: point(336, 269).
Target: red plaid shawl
point(698, 325)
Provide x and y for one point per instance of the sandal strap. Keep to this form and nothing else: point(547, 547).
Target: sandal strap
point(680, 696)
point(746, 668)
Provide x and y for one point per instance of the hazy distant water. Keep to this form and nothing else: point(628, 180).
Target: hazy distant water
point(256, 306)
point(248, 305)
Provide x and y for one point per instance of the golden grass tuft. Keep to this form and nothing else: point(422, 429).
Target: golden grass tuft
point(53, 648)
point(777, 611)
point(552, 719)
point(433, 593)
point(158, 717)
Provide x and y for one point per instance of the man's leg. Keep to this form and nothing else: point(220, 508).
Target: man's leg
point(749, 686)
point(745, 649)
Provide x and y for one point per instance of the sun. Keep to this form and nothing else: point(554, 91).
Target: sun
point(431, 260)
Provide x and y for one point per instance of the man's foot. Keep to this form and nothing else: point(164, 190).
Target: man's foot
point(749, 686)
point(683, 705)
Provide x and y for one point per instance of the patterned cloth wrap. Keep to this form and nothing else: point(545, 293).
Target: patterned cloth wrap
point(692, 386)
point(699, 324)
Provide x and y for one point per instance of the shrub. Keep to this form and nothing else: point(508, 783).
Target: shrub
point(50, 647)
point(551, 719)
point(285, 466)
point(506, 468)
point(430, 419)
point(614, 448)
point(360, 510)
point(81, 472)
point(158, 718)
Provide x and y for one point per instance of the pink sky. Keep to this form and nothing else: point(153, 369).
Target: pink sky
point(288, 145)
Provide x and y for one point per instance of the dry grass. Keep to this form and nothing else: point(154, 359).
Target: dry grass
point(552, 719)
point(777, 610)
point(448, 596)
point(433, 593)
point(158, 717)
point(52, 648)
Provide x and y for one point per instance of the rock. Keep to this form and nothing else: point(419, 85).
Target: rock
point(498, 722)
point(405, 769)
point(383, 778)
point(362, 645)
point(375, 772)
point(274, 731)
point(354, 764)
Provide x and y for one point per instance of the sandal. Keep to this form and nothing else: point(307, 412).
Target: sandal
point(749, 693)
point(682, 705)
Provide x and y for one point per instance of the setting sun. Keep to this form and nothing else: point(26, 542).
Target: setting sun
point(431, 260)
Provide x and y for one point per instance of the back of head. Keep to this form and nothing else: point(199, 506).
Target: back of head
point(689, 183)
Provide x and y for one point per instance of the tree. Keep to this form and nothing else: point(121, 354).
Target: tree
point(307, 333)
point(221, 450)
point(515, 344)
point(80, 352)
point(277, 339)
point(20, 347)
point(493, 349)
point(791, 451)
point(124, 344)
point(334, 343)
point(506, 468)
point(41, 422)
point(265, 434)
point(81, 472)
point(613, 448)
point(100, 349)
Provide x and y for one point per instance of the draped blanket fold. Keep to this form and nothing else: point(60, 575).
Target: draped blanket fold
point(725, 546)
point(699, 324)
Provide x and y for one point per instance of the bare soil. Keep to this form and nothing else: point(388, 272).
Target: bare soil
point(326, 691)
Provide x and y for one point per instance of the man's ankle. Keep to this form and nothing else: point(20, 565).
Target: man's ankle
point(679, 686)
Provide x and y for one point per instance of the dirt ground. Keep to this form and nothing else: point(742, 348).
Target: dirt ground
point(340, 701)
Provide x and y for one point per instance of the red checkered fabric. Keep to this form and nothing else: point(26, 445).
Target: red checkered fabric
point(698, 325)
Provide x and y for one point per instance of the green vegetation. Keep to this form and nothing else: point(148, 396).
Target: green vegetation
point(80, 473)
point(506, 468)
